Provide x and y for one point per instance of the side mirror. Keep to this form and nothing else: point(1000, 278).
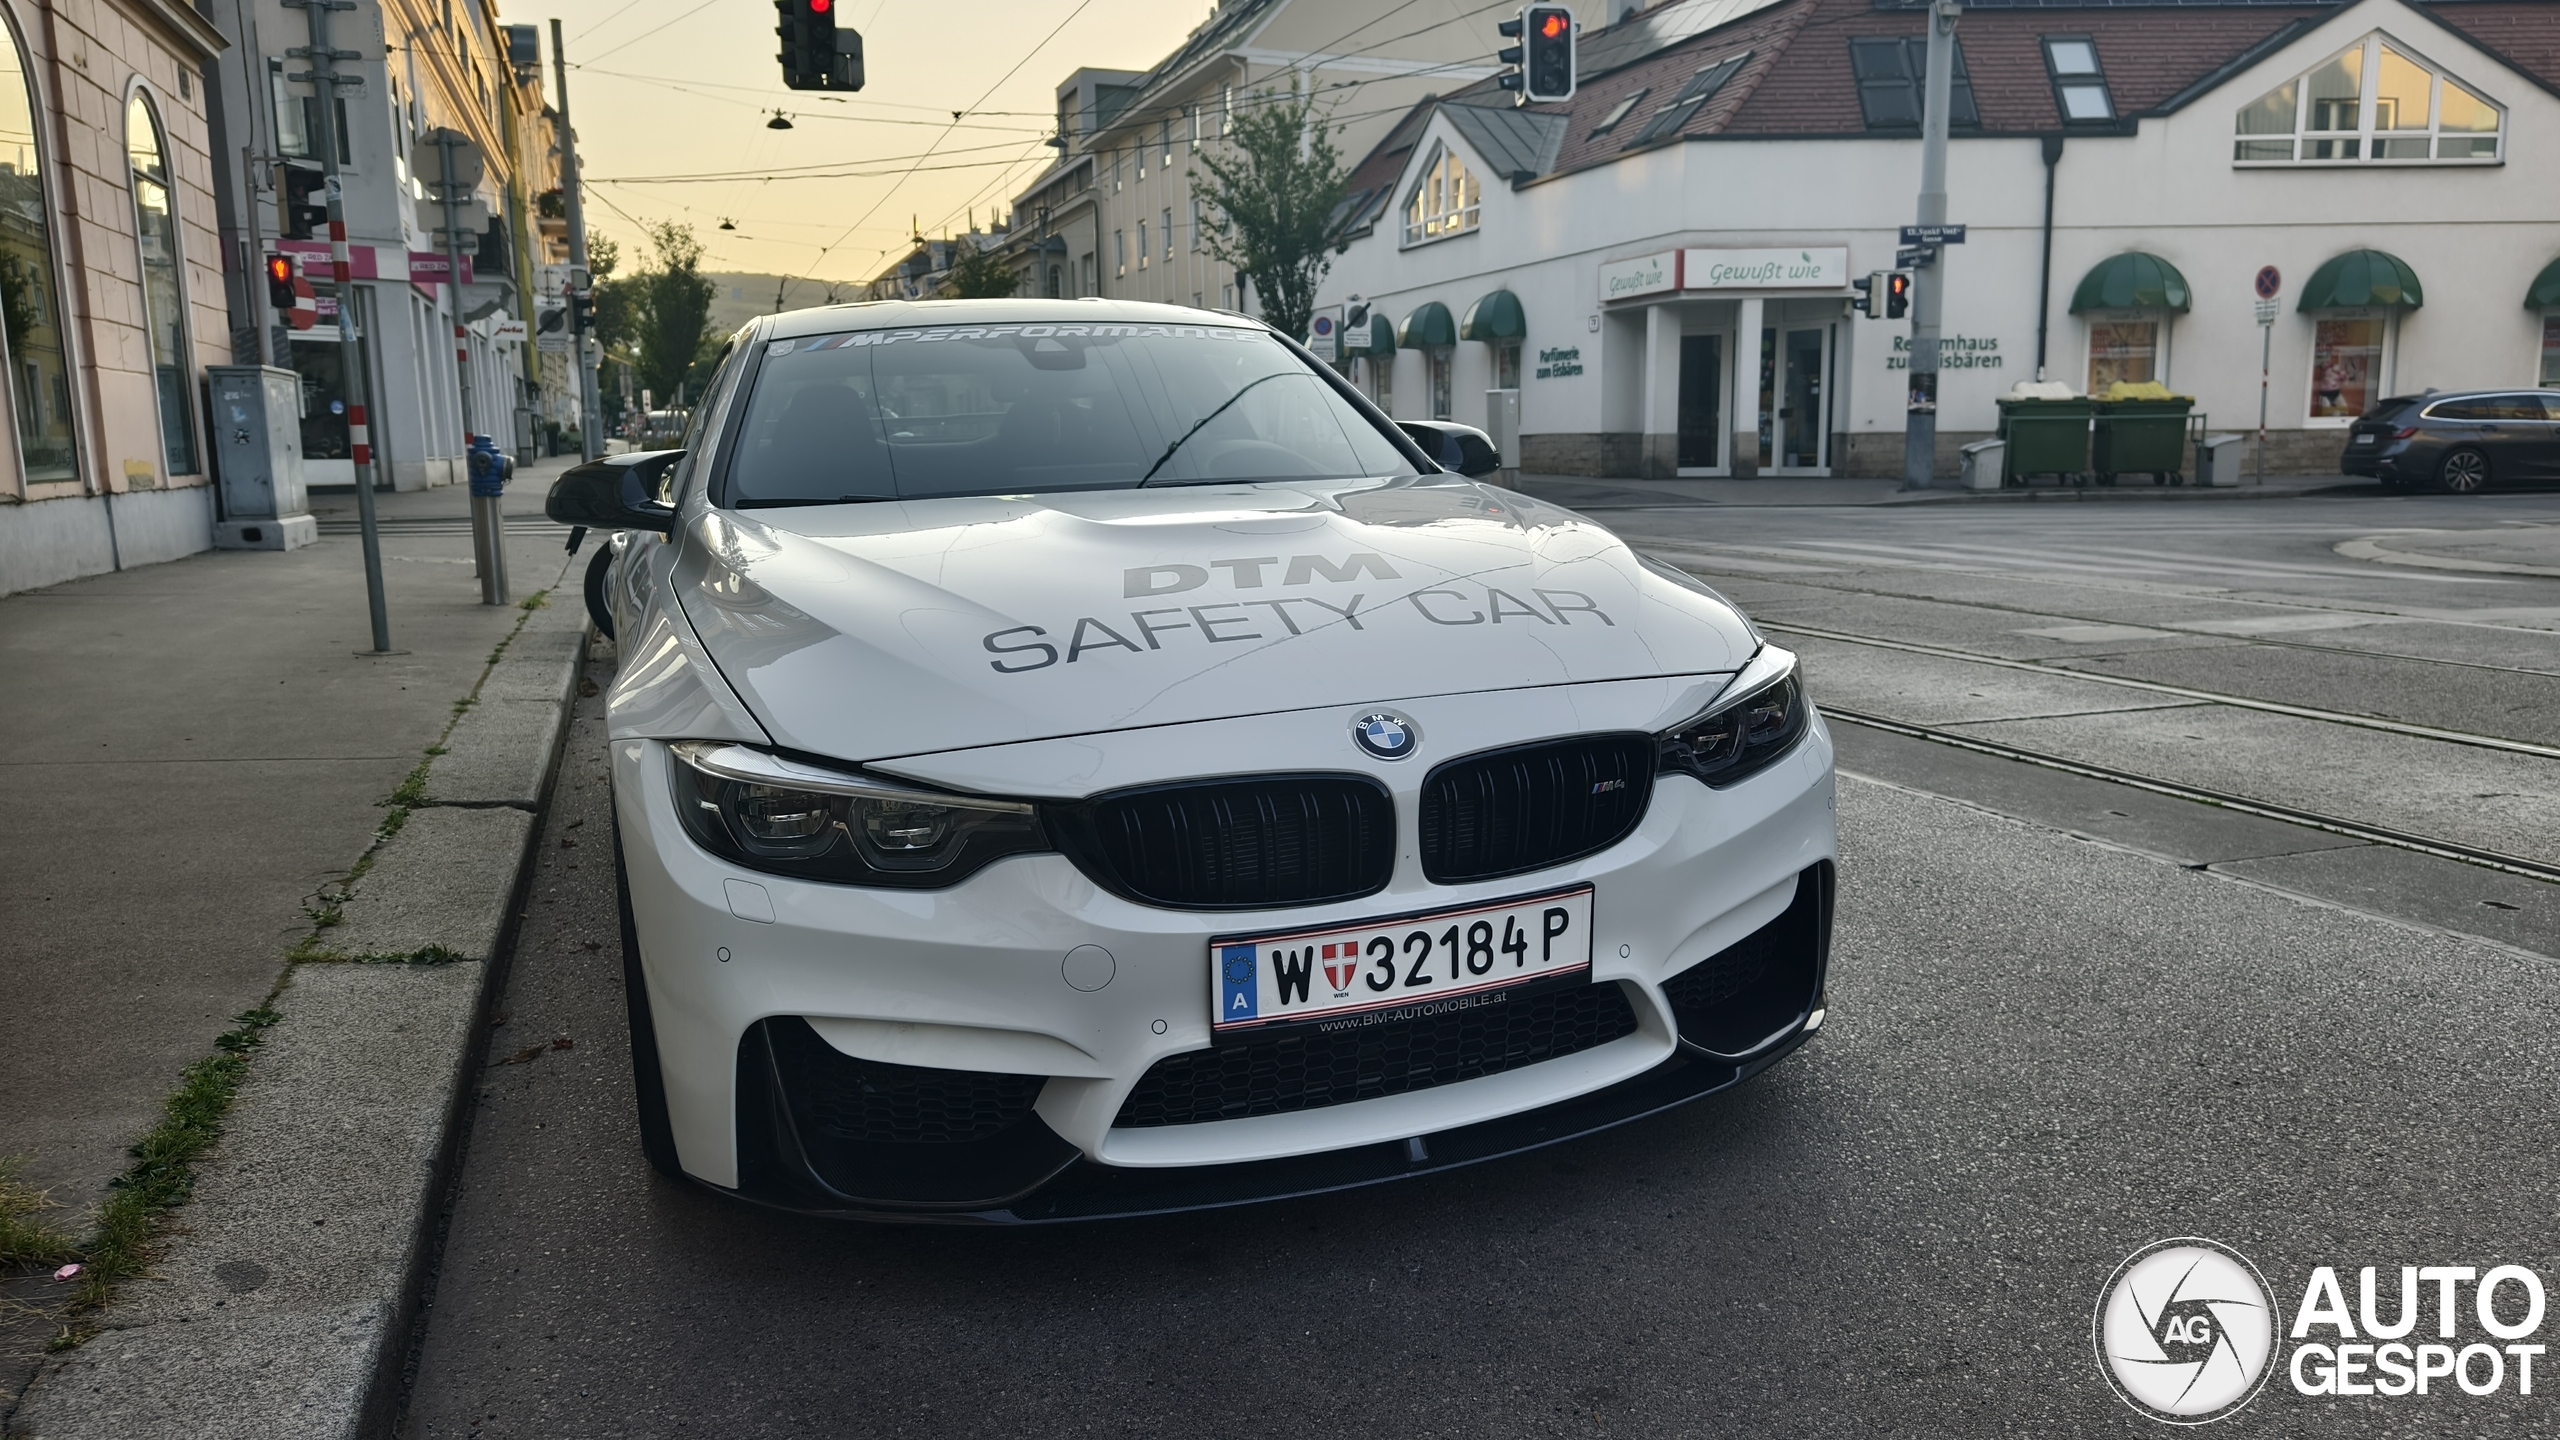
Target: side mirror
point(618, 492)
point(1463, 449)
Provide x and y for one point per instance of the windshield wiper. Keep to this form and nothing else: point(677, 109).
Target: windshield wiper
point(1205, 419)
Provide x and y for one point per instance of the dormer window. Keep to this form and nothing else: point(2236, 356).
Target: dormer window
point(2372, 101)
point(1445, 203)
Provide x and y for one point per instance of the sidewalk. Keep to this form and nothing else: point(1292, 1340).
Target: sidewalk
point(1585, 493)
point(2507, 550)
point(197, 754)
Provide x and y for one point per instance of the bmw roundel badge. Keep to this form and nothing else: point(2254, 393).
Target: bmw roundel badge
point(1385, 734)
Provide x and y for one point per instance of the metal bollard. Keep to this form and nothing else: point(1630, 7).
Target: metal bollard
point(489, 472)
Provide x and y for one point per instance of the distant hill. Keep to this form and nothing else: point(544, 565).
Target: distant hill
point(742, 297)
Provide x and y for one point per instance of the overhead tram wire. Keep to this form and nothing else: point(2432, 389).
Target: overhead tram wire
point(823, 251)
point(645, 34)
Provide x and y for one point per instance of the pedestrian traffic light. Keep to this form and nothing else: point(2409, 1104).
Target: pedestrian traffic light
point(306, 207)
point(1897, 294)
point(815, 54)
point(1542, 63)
point(290, 294)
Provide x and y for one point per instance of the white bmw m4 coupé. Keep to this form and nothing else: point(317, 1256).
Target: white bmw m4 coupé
point(1076, 759)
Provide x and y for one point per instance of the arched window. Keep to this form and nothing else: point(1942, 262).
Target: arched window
point(155, 224)
point(39, 385)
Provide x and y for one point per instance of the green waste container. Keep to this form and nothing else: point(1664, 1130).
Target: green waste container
point(2045, 437)
point(2138, 437)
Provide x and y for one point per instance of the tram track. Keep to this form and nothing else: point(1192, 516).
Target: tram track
point(2205, 795)
point(2183, 692)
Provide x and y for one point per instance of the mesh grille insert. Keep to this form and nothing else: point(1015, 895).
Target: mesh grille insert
point(1507, 812)
point(833, 1096)
point(1314, 1067)
point(1243, 844)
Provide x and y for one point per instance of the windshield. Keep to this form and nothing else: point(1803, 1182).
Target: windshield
point(1022, 409)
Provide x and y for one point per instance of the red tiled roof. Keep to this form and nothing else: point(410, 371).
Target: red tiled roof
point(2524, 33)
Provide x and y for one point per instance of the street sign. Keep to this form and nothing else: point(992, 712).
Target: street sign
point(1915, 257)
point(2267, 311)
point(2270, 282)
point(1932, 234)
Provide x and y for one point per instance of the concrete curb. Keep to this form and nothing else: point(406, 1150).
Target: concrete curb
point(284, 1303)
point(2371, 549)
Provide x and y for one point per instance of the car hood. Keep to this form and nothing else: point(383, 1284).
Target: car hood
point(872, 631)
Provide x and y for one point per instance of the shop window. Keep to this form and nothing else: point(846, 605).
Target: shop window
point(163, 308)
point(1506, 365)
point(2346, 366)
point(1445, 203)
point(1609, 121)
point(1382, 379)
point(2123, 350)
point(2079, 86)
point(40, 381)
point(1892, 78)
point(1701, 88)
point(2551, 351)
point(1437, 360)
point(2372, 101)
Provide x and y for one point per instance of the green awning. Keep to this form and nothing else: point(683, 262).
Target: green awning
point(1382, 336)
point(1495, 316)
point(2362, 277)
point(2131, 281)
point(2544, 292)
point(1429, 324)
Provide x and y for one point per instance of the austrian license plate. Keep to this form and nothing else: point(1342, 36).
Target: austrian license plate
point(2360, 440)
point(1390, 964)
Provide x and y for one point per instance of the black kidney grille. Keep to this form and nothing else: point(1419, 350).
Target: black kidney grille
point(833, 1096)
point(1506, 812)
point(1308, 1068)
point(1236, 844)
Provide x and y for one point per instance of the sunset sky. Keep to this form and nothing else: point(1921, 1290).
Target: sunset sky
point(664, 88)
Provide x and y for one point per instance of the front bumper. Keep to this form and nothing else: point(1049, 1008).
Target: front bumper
point(976, 979)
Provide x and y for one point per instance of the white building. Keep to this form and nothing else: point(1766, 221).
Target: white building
point(1728, 165)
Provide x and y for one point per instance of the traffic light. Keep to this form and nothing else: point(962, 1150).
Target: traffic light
point(1897, 291)
point(815, 54)
point(1863, 292)
point(306, 206)
point(1542, 63)
point(290, 294)
point(1549, 36)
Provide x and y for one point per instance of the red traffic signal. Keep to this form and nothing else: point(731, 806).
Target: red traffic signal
point(1548, 65)
point(1552, 25)
point(1897, 290)
point(290, 294)
point(815, 54)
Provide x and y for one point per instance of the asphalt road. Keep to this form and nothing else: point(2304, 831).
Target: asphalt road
point(2070, 1017)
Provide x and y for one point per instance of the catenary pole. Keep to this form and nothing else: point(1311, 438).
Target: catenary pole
point(1928, 282)
point(590, 408)
point(325, 80)
point(488, 512)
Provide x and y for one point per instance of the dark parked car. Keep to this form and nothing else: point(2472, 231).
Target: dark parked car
point(2459, 443)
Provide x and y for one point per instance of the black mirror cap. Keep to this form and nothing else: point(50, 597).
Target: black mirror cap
point(617, 492)
point(1462, 449)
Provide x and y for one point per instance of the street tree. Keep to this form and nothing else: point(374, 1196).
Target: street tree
point(671, 301)
point(1276, 190)
point(978, 275)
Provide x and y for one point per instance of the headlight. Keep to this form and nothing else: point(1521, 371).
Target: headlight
point(1759, 717)
point(769, 813)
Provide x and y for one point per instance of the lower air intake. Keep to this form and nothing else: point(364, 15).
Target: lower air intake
point(1305, 1069)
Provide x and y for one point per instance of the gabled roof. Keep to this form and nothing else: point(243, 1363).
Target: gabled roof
point(1516, 144)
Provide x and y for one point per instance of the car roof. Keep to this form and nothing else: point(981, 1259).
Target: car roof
point(895, 314)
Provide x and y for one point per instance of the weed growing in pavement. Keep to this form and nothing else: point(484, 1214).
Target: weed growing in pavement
point(163, 1174)
point(27, 1237)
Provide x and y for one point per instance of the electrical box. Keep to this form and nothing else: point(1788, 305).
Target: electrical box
point(257, 451)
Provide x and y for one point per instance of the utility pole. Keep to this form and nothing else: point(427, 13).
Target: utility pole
point(1928, 282)
point(581, 284)
point(325, 80)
